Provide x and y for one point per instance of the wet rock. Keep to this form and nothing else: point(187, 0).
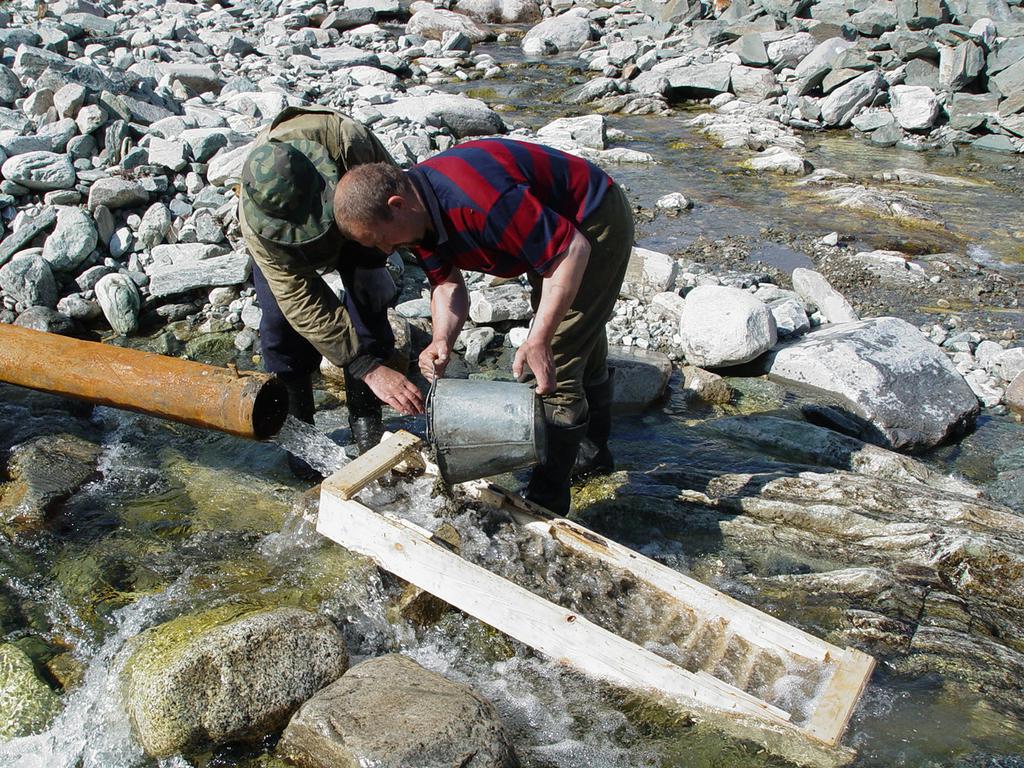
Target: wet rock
point(28, 278)
point(40, 171)
point(560, 34)
point(44, 471)
point(708, 386)
point(72, 241)
point(779, 160)
point(27, 704)
point(393, 713)
point(897, 205)
point(120, 301)
point(901, 391)
point(227, 675)
point(641, 376)
point(673, 202)
point(723, 326)
point(648, 273)
point(995, 143)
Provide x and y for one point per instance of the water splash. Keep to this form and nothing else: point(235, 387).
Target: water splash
point(311, 445)
point(93, 730)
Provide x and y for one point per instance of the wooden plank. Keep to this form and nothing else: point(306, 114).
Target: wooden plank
point(836, 704)
point(554, 631)
point(363, 470)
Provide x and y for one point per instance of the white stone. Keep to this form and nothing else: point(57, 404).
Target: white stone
point(505, 302)
point(118, 297)
point(815, 289)
point(40, 171)
point(723, 326)
point(587, 131)
point(71, 241)
point(915, 107)
point(559, 34)
point(648, 273)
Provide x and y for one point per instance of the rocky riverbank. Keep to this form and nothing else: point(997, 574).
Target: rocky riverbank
point(123, 130)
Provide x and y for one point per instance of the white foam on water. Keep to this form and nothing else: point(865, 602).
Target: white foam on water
point(93, 730)
point(311, 445)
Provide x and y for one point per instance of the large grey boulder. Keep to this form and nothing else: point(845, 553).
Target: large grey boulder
point(40, 171)
point(840, 106)
point(814, 289)
point(641, 376)
point(461, 115)
point(900, 390)
point(559, 34)
point(28, 278)
point(30, 227)
point(722, 326)
point(71, 242)
point(390, 712)
point(224, 675)
point(915, 107)
point(434, 22)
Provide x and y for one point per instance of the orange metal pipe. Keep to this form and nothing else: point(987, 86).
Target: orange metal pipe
point(252, 405)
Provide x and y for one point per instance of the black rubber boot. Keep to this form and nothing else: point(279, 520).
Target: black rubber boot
point(595, 458)
point(300, 405)
point(364, 413)
point(549, 483)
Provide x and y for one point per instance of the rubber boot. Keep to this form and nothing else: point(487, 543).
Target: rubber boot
point(364, 413)
point(549, 483)
point(595, 458)
point(300, 405)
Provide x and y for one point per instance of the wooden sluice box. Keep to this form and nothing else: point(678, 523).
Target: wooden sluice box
point(808, 733)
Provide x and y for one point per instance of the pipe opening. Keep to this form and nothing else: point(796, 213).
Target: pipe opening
point(270, 409)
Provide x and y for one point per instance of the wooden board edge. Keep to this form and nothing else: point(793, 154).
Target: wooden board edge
point(837, 702)
point(363, 470)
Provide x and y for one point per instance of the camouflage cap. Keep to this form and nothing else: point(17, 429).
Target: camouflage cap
point(287, 191)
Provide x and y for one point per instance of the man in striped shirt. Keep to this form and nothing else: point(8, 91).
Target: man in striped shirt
point(509, 208)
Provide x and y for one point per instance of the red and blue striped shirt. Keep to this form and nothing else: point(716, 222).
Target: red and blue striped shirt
point(503, 207)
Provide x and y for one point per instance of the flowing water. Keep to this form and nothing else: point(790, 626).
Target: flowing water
point(177, 519)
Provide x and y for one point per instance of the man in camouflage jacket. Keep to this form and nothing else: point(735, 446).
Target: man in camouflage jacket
point(286, 218)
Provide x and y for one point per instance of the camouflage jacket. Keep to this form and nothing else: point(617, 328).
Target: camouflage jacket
point(294, 272)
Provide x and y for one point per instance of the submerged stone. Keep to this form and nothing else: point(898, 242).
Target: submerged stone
point(227, 675)
point(27, 704)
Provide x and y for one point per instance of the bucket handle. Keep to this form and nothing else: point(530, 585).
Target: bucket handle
point(430, 408)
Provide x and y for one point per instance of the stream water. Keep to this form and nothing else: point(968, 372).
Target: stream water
point(177, 519)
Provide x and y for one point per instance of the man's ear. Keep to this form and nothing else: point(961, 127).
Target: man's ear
point(397, 203)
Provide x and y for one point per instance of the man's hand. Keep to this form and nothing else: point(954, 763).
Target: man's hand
point(395, 390)
point(537, 355)
point(434, 359)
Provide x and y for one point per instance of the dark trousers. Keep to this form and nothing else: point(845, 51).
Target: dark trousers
point(286, 351)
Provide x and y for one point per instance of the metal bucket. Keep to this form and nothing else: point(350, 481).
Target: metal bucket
point(483, 428)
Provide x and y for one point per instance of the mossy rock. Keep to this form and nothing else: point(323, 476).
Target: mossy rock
point(229, 674)
point(27, 704)
point(212, 348)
